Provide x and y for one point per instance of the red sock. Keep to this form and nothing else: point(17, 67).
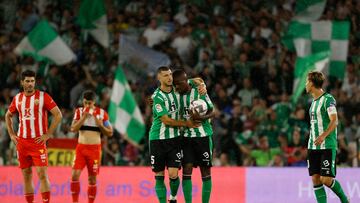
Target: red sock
point(29, 197)
point(45, 197)
point(91, 193)
point(75, 190)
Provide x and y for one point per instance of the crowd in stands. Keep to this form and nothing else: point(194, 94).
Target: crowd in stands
point(234, 45)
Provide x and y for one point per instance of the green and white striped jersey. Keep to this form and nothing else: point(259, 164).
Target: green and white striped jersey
point(320, 111)
point(164, 104)
point(185, 100)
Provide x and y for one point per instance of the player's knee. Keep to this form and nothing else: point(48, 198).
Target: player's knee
point(316, 179)
point(205, 171)
point(27, 176)
point(42, 175)
point(173, 174)
point(188, 169)
point(326, 180)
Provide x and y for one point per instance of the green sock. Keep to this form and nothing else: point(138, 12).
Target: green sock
point(187, 188)
point(320, 193)
point(160, 189)
point(336, 188)
point(206, 189)
point(174, 186)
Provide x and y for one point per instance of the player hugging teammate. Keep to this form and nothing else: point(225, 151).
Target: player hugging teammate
point(171, 116)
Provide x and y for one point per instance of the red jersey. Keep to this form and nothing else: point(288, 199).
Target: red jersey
point(97, 111)
point(32, 112)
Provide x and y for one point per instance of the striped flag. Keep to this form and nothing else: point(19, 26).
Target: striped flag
point(318, 36)
point(92, 18)
point(123, 111)
point(309, 10)
point(303, 66)
point(44, 44)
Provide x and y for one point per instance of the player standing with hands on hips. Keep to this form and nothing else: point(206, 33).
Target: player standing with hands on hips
point(323, 139)
point(32, 107)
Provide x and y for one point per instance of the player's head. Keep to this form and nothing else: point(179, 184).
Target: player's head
point(89, 98)
point(180, 81)
point(315, 80)
point(164, 75)
point(28, 81)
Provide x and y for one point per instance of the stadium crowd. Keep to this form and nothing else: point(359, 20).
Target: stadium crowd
point(235, 46)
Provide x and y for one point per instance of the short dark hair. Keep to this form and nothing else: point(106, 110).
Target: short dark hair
point(89, 95)
point(162, 68)
point(28, 73)
point(178, 72)
point(317, 78)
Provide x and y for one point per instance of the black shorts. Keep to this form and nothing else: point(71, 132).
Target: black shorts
point(165, 153)
point(322, 162)
point(198, 151)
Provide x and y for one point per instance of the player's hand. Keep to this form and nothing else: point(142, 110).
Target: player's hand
point(98, 122)
point(192, 124)
point(195, 116)
point(42, 139)
point(319, 139)
point(14, 138)
point(202, 89)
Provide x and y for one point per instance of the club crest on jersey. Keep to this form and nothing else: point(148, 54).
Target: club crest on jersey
point(36, 102)
point(158, 108)
point(41, 151)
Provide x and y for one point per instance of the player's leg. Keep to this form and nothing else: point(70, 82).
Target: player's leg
point(157, 161)
point(75, 185)
point(25, 163)
point(207, 183)
point(78, 164)
point(173, 162)
point(44, 183)
point(187, 163)
point(203, 159)
point(28, 184)
point(92, 188)
point(92, 156)
point(314, 167)
point(328, 173)
point(40, 161)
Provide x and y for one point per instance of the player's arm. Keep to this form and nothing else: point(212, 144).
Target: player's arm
point(177, 123)
point(199, 82)
point(57, 116)
point(105, 126)
point(77, 123)
point(10, 127)
point(160, 111)
point(332, 113)
point(197, 117)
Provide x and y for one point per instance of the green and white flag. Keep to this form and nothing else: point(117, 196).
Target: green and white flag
point(92, 18)
point(309, 10)
point(303, 65)
point(319, 36)
point(124, 113)
point(44, 44)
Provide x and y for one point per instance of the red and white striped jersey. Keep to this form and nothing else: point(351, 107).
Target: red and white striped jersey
point(98, 112)
point(32, 110)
